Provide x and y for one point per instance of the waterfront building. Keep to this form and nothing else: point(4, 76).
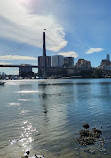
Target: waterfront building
point(48, 61)
point(25, 70)
point(68, 61)
point(40, 63)
point(73, 72)
point(107, 68)
point(105, 63)
point(3, 74)
point(83, 64)
point(57, 61)
point(107, 57)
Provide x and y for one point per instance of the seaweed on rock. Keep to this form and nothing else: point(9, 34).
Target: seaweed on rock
point(88, 137)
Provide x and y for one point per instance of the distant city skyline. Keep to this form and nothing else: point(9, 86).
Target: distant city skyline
point(59, 61)
point(73, 28)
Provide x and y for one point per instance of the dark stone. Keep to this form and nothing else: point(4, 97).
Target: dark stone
point(85, 133)
point(89, 137)
point(86, 125)
point(45, 111)
point(39, 156)
point(86, 140)
point(26, 156)
point(28, 152)
point(89, 150)
point(95, 130)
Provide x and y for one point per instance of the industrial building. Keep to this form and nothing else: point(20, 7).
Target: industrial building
point(57, 61)
point(40, 63)
point(25, 70)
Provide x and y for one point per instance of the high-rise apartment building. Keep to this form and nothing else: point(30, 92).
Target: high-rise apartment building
point(107, 57)
point(68, 61)
point(83, 64)
point(105, 63)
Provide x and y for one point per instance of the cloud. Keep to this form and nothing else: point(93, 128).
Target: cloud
point(3, 63)
point(16, 57)
point(17, 23)
point(69, 54)
point(94, 50)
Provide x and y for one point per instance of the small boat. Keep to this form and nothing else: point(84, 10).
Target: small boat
point(2, 83)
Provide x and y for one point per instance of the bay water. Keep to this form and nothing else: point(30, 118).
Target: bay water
point(45, 116)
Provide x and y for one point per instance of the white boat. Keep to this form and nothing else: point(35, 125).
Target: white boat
point(2, 83)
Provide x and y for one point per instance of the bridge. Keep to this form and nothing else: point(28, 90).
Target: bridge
point(33, 66)
point(44, 66)
point(36, 66)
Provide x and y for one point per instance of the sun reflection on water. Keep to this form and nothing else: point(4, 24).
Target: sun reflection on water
point(26, 137)
point(23, 112)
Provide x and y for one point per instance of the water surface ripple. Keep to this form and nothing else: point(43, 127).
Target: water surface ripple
point(45, 116)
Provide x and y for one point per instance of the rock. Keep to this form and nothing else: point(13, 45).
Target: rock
point(89, 150)
point(88, 137)
point(86, 140)
point(45, 111)
point(39, 156)
point(26, 154)
point(86, 125)
point(95, 130)
point(85, 133)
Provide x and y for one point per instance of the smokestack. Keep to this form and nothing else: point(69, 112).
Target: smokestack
point(44, 47)
point(44, 58)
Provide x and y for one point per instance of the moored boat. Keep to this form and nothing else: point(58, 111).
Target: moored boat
point(2, 83)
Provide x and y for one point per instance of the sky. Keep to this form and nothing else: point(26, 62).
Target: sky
point(73, 28)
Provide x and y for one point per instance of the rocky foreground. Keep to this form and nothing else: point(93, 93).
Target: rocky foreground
point(26, 155)
point(88, 137)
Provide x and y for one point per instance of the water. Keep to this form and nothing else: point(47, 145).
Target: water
point(45, 116)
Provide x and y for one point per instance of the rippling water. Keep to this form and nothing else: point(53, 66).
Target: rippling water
point(45, 116)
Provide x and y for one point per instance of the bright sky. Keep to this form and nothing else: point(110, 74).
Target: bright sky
point(78, 28)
